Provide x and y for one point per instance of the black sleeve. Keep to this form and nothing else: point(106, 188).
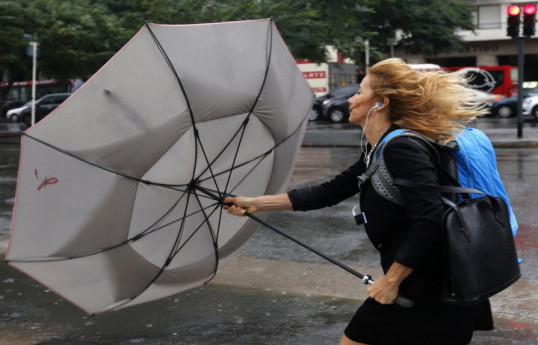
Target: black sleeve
point(328, 193)
point(411, 159)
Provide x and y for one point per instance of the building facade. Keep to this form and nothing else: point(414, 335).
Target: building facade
point(489, 44)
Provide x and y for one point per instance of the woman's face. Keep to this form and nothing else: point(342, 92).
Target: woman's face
point(361, 103)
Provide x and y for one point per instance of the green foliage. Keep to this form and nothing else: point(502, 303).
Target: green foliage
point(12, 43)
point(426, 26)
point(76, 37)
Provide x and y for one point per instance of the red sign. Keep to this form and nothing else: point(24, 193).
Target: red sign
point(315, 75)
point(318, 89)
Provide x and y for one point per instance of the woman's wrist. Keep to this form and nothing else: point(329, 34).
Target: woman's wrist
point(272, 202)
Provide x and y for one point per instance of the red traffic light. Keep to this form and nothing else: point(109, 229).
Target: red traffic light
point(529, 9)
point(515, 10)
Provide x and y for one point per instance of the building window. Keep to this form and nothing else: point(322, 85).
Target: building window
point(489, 17)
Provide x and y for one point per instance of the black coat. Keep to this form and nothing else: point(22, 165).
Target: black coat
point(409, 234)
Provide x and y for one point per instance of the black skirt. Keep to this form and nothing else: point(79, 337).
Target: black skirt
point(427, 323)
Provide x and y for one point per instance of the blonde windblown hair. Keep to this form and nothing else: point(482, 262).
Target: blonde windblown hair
point(434, 104)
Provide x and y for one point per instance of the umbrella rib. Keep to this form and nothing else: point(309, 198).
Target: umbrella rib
point(175, 251)
point(241, 130)
point(191, 113)
point(169, 63)
point(175, 187)
point(183, 91)
point(130, 240)
point(148, 231)
point(170, 186)
point(211, 231)
point(243, 127)
point(167, 261)
point(262, 156)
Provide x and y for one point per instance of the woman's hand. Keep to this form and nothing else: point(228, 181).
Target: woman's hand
point(383, 291)
point(239, 205)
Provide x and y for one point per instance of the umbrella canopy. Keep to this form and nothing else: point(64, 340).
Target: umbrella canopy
point(119, 189)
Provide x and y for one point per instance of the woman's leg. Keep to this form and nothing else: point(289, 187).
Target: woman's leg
point(346, 341)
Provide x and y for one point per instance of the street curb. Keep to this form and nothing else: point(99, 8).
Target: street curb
point(515, 144)
point(352, 138)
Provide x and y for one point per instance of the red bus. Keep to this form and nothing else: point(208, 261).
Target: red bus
point(497, 80)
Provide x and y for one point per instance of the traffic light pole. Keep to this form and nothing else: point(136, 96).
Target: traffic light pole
point(513, 30)
point(520, 58)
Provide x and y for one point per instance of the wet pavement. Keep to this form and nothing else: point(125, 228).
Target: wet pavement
point(272, 291)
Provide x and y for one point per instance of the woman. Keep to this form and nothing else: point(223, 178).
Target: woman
point(408, 236)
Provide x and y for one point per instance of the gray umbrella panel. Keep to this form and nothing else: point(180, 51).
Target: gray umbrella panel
point(110, 205)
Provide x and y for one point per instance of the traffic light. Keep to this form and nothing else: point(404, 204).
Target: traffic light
point(529, 18)
point(514, 12)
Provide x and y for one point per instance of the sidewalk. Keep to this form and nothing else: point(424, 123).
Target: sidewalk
point(500, 137)
point(346, 136)
point(322, 288)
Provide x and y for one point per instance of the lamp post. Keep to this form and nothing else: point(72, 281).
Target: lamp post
point(34, 69)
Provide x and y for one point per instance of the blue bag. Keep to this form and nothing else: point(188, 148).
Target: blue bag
point(476, 164)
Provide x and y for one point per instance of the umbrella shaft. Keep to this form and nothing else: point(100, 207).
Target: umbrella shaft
point(304, 245)
point(366, 279)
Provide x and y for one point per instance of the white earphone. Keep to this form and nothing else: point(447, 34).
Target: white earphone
point(378, 104)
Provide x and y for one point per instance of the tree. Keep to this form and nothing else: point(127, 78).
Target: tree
point(76, 37)
point(132, 14)
point(307, 26)
point(12, 43)
point(427, 27)
point(298, 22)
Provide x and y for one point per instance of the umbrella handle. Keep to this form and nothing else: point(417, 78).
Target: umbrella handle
point(400, 300)
point(404, 302)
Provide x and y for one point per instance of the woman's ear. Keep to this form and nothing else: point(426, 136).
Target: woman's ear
point(383, 103)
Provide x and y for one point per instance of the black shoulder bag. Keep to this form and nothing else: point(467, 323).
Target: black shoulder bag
point(480, 256)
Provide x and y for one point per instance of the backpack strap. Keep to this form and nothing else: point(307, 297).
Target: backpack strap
point(455, 188)
point(372, 168)
point(437, 187)
point(379, 174)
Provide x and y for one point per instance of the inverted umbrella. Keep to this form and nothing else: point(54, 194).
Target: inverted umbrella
point(118, 198)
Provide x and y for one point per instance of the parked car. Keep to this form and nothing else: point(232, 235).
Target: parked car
point(14, 115)
point(530, 106)
point(10, 104)
point(336, 109)
point(343, 91)
point(508, 107)
point(43, 107)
